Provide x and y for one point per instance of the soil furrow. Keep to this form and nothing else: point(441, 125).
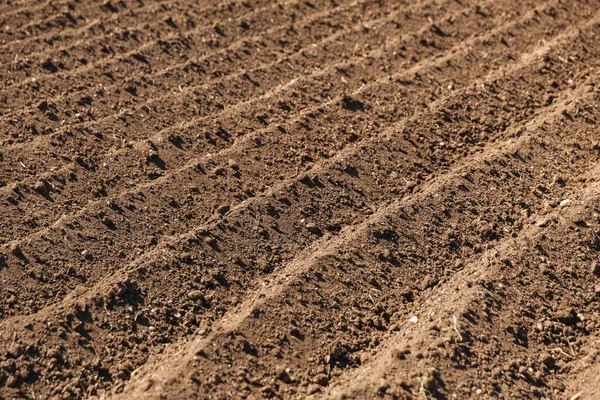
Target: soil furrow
point(106, 159)
point(299, 199)
point(189, 172)
point(390, 267)
point(122, 100)
point(505, 260)
point(174, 162)
point(99, 29)
point(491, 299)
point(160, 83)
point(107, 46)
point(171, 266)
point(27, 27)
point(178, 47)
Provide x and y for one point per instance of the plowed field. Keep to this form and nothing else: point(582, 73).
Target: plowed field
point(299, 198)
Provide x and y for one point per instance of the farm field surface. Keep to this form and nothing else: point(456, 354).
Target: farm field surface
point(329, 199)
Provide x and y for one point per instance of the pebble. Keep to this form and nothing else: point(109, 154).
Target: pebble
point(414, 319)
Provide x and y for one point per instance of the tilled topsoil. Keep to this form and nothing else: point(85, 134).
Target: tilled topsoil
point(361, 199)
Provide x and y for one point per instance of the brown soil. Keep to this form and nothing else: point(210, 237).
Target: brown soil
point(286, 199)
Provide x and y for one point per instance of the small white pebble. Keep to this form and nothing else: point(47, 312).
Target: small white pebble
point(565, 203)
point(414, 319)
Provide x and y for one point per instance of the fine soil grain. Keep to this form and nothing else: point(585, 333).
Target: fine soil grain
point(299, 199)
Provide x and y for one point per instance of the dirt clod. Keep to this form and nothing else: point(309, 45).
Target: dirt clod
point(595, 268)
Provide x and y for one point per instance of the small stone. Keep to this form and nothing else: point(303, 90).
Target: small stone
point(541, 223)
point(414, 319)
point(281, 373)
point(565, 203)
